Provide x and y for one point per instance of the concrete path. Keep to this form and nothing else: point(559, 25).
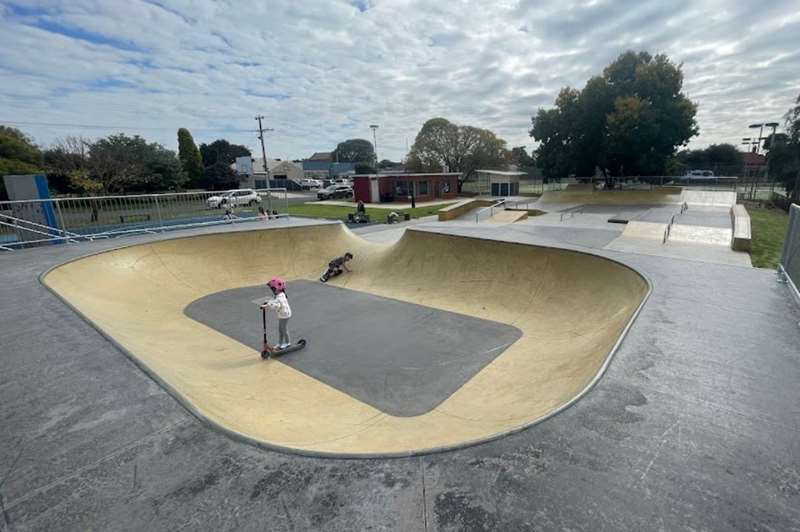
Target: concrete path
point(694, 426)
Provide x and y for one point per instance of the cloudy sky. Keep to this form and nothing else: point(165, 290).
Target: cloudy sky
point(321, 71)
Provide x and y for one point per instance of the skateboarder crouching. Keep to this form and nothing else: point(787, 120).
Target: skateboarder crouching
point(280, 304)
point(336, 266)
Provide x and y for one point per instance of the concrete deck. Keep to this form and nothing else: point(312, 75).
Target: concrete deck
point(693, 426)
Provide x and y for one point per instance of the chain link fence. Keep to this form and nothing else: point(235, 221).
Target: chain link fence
point(748, 187)
point(27, 223)
point(789, 267)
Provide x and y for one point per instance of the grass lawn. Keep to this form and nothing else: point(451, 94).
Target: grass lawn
point(335, 212)
point(769, 229)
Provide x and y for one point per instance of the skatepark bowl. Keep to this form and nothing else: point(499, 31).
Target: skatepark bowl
point(431, 343)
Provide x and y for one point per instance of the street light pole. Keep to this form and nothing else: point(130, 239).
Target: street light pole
point(774, 126)
point(761, 131)
point(374, 128)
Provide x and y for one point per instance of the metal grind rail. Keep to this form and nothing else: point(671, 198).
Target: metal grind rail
point(490, 208)
point(570, 213)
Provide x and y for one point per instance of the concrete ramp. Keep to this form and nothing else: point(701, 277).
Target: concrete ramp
point(649, 230)
point(657, 196)
point(508, 217)
point(709, 198)
point(742, 231)
point(701, 234)
point(570, 309)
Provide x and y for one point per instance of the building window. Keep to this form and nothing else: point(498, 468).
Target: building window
point(401, 188)
point(422, 188)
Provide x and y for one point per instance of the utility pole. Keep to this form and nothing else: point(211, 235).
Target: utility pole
point(261, 131)
point(374, 128)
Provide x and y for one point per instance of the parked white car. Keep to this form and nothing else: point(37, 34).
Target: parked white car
point(335, 191)
point(234, 198)
point(308, 184)
point(699, 174)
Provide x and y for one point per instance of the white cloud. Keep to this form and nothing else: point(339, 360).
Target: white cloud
point(322, 71)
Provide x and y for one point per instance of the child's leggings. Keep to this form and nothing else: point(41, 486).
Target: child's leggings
point(282, 330)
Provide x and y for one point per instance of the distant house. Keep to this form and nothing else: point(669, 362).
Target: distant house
point(755, 164)
point(280, 174)
point(322, 164)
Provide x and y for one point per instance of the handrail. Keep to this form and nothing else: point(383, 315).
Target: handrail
point(668, 230)
point(490, 208)
point(18, 221)
point(571, 213)
point(108, 234)
point(35, 231)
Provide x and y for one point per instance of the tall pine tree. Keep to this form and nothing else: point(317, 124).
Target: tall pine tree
point(190, 157)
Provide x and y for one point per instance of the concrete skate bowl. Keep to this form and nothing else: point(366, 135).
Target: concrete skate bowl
point(572, 310)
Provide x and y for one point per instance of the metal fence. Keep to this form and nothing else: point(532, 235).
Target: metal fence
point(746, 187)
point(27, 223)
point(789, 267)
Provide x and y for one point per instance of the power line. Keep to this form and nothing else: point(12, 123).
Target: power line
point(128, 128)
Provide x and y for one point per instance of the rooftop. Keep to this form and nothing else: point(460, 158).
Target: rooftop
point(323, 156)
point(404, 174)
point(500, 172)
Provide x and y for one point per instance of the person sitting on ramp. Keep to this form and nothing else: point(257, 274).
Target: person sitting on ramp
point(280, 304)
point(336, 266)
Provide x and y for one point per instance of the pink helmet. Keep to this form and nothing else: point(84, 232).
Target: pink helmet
point(277, 284)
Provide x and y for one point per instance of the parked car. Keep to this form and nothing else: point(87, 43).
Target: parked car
point(308, 184)
point(335, 191)
point(234, 198)
point(699, 174)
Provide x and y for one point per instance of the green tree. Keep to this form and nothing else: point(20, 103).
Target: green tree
point(121, 163)
point(783, 158)
point(163, 169)
point(355, 151)
point(722, 159)
point(217, 160)
point(65, 159)
point(222, 151)
point(777, 139)
point(189, 155)
point(519, 157)
point(793, 122)
point(628, 121)
point(441, 145)
point(364, 168)
point(18, 155)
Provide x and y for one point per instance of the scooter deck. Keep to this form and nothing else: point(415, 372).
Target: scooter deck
point(294, 347)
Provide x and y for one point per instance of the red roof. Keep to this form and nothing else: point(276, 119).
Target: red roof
point(754, 159)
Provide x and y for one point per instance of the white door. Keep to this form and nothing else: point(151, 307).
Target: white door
point(374, 195)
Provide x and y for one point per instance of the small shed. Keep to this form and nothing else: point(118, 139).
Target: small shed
point(498, 182)
point(384, 188)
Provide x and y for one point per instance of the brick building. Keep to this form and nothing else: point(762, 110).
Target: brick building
point(374, 188)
